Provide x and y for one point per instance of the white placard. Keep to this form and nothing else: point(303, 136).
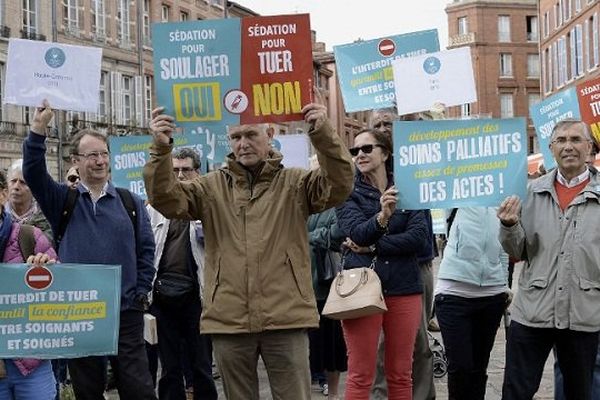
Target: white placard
point(295, 150)
point(68, 76)
point(445, 77)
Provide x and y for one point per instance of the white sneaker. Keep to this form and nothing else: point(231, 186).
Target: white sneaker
point(325, 389)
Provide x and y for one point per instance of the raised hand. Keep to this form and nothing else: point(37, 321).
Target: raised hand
point(41, 118)
point(509, 210)
point(315, 113)
point(162, 126)
point(40, 259)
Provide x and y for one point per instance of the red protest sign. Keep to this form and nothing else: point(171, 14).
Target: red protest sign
point(588, 95)
point(276, 68)
point(386, 47)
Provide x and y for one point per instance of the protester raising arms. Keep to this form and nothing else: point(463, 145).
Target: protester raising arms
point(258, 296)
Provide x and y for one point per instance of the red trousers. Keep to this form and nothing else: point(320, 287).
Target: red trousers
point(400, 325)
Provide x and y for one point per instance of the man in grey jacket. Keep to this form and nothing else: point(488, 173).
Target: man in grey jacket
point(558, 302)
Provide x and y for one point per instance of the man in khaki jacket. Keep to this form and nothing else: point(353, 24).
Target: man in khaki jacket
point(258, 296)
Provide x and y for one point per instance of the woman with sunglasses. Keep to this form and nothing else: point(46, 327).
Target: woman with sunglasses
point(391, 238)
point(72, 177)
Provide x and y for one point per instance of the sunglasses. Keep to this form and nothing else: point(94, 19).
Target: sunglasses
point(366, 149)
point(72, 178)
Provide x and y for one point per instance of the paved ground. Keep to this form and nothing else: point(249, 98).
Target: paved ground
point(495, 372)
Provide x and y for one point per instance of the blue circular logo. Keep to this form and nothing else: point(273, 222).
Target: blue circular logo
point(432, 65)
point(55, 57)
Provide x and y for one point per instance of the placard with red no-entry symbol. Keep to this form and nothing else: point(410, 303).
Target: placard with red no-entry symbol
point(38, 277)
point(365, 67)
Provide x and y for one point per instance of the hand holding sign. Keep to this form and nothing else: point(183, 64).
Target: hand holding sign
point(315, 113)
point(41, 118)
point(40, 259)
point(162, 126)
point(509, 210)
point(388, 202)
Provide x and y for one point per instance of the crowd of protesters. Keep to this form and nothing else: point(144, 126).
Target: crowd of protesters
point(229, 263)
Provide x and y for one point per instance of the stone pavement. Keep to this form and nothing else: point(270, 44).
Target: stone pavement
point(495, 372)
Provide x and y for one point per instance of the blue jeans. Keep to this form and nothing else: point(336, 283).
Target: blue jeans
point(468, 327)
point(39, 385)
point(559, 393)
point(528, 349)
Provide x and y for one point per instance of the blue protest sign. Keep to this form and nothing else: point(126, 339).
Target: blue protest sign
point(213, 46)
point(64, 310)
point(548, 113)
point(128, 155)
point(365, 68)
point(449, 163)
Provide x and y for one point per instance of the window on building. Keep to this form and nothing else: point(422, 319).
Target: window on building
point(576, 42)
point(164, 13)
point(533, 65)
point(555, 66)
point(103, 100)
point(183, 16)
point(594, 38)
point(148, 97)
point(533, 99)
point(146, 22)
point(547, 24)
point(98, 14)
point(547, 62)
point(557, 16)
point(123, 23)
point(566, 6)
point(532, 28)
point(503, 28)
point(463, 26)
point(128, 97)
point(465, 110)
point(577, 6)
point(71, 15)
point(506, 105)
point(29, 16)
point(506, 65)
point(217, 2)
point(563, 69)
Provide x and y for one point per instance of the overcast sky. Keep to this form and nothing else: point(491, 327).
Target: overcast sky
point(343, 21)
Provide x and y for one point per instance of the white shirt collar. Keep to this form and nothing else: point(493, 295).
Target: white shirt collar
point(575, 181)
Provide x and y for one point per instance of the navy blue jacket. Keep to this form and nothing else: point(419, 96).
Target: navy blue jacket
point(396, 250)
point(96, 234)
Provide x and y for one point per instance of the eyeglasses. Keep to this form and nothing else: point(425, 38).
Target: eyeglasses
point(366, 149)
point(183, 170)
point(561, 141)
point(72, 178)
point(94, 155)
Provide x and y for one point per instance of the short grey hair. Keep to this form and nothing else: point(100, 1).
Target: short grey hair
point(567, 123)
point(187, 152)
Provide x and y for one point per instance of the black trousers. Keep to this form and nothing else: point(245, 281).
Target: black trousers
point(468, 327)
point(130, 366)
point(527, 351)
point(178, 329)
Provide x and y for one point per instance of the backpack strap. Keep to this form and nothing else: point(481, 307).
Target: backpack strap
point(128, 203)
point(73, 194)
point(26, 241)
point(65, 216)
point(450, 219)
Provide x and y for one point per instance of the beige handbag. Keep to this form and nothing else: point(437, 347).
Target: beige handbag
point(355, 293)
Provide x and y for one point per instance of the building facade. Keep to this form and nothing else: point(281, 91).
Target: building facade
point(569, 43)
point(503, 38)
point(122, 28)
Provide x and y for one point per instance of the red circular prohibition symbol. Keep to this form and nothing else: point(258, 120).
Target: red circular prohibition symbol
point(38, 278)
point(386, 47)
